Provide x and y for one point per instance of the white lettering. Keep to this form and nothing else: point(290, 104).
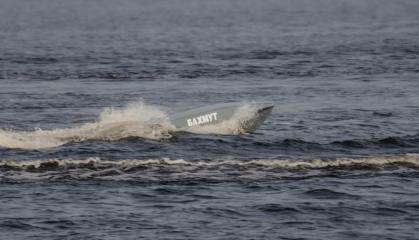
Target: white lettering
point(199, 120)
point(207, 118)
point(189, 121)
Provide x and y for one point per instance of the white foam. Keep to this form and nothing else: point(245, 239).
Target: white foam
point(136, 119)
point(373, 161)
point(286, 164)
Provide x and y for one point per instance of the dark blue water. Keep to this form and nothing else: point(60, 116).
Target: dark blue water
point(82, 81)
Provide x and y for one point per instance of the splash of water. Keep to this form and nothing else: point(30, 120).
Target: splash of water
point(134, 120)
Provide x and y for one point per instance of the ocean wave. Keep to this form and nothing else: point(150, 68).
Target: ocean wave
point(390, 142)
point(101, 167)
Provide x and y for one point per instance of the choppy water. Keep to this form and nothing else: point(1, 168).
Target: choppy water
point(86, 151)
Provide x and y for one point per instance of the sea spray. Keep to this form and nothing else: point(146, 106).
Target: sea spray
point(134, 120)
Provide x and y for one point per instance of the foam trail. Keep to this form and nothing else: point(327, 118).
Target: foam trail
point(286, 164)
point(373, 161)
point(136, 119)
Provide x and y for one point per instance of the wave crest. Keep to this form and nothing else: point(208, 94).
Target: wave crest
point(411, 160)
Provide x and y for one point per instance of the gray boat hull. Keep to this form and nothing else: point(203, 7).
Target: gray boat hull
point(219, 113)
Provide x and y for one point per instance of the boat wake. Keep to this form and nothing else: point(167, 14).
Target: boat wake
point(180, 169)
point(134, 120)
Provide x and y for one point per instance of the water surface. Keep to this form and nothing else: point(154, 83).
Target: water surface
point(82, 156)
